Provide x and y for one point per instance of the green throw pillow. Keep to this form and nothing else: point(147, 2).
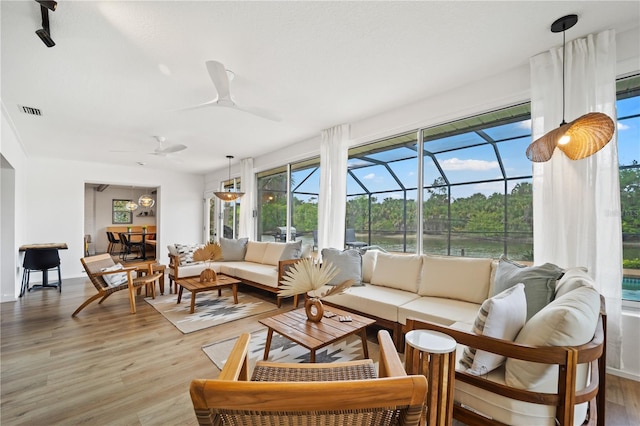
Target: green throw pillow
point(539, 282)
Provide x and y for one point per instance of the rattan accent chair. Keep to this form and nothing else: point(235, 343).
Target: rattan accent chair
point(347, 393)
point(94, 266)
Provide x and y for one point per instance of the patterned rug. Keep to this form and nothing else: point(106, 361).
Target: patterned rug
point(210, 310)
point(284, 350)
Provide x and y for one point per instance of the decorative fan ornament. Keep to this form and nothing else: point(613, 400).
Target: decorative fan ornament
point(209, 253)
point(580, 138)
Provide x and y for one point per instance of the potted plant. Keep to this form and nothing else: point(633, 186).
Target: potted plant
point(307, 275)
point(209, 253)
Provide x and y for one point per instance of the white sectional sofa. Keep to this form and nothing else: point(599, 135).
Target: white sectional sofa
point(259, 264)
point(559, 309)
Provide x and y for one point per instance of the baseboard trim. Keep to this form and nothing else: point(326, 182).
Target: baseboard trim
point(623, 374)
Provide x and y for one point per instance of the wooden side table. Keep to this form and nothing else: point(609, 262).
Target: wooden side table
point(433, 355)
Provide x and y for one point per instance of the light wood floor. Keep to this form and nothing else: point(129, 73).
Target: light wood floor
point(107, 366)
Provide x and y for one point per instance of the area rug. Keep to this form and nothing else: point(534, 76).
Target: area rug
point(210, 310)
point(284, 350)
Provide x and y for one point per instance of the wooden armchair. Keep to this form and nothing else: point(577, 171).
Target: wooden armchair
point(347, 393)
point(94, 266)
point(566, 358)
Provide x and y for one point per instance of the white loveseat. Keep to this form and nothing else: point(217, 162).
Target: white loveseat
point(259, 264)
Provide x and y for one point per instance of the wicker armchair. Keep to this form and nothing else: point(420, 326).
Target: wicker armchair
point(94, 265)
point(348, 393)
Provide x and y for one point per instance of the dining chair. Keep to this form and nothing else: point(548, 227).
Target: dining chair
point(128, 246)
point(41, 260)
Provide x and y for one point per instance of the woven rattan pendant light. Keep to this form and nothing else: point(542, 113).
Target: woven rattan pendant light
point(229, 196)
point(583, 136)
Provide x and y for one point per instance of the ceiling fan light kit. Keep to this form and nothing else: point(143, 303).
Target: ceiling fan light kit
point(583, 136)
point(228, 196)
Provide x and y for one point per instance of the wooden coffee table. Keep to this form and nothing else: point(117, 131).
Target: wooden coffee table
point(295, 326)
point(194, 285)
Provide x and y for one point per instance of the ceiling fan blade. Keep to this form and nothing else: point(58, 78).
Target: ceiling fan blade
point(260, 112)
point(205, 104)
point(171, 149)
point(218, 75)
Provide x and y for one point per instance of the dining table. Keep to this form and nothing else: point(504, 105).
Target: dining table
point(143, 241)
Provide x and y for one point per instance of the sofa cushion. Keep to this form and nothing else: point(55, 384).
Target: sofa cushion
point(258, 273)
point(292, 251)
point(273, 253)
point(368, 264)
point(193, 269)
point(539, 282)
point(502, 317)
point(233, 250)
point(459, 278)
point(114, 280)
point(397, 271)
point(348, 263)
point(570, 320)
point(438, 310)
point(378, 301)
point(255, 251)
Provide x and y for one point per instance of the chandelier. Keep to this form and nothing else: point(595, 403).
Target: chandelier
point(229, 195)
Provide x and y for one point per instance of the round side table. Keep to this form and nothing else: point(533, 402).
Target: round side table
point(433, 354)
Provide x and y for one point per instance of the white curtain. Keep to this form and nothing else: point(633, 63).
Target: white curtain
point(248, 200)
point(332, 204)
point(576, 204)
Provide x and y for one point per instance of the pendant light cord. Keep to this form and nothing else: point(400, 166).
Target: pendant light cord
point(564, 47)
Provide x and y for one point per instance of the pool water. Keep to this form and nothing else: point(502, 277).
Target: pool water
point(631, 289)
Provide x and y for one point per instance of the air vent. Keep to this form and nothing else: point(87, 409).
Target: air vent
point(29, 110)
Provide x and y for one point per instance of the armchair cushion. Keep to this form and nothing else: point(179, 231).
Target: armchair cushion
point(570, 320)
point(539, 282)
point(348, 262)
point(502, 317)
point(114, 280)
point(233, 250)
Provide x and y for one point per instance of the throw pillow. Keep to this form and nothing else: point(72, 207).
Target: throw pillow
point(539, 282)
point(348, 262)
point(502, 317)
point(233, 250)
point(292, 251)
point(570, 320)
point(185, 251)
point(114, 280)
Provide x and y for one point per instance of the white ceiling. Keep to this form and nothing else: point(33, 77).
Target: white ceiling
point(120, 70)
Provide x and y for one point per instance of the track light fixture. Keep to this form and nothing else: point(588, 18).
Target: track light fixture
point(51, 5)
point(45, 33)
point(583, 136)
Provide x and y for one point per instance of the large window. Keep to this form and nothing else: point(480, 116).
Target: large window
point(381, 193)
point(476, 198)
point(272, 203)
point(628, 108)
point(477, 186)
point(305, 190)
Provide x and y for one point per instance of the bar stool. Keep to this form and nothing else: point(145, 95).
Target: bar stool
point(40, 260)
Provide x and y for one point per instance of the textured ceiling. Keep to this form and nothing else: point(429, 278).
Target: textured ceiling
point(120, 71)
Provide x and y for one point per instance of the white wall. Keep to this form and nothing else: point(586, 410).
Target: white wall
point(11, 198)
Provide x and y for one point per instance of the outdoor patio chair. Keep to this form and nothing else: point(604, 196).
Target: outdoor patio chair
point(341, 393)
point(350, 240)
point(100, 267)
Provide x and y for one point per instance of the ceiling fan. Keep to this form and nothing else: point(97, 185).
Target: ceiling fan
point(163, 151)
point(220, 79)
